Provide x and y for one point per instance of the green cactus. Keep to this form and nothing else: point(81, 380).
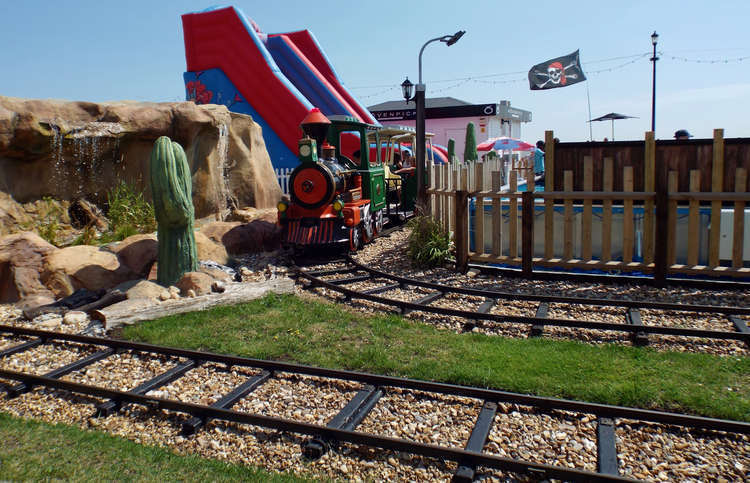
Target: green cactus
point(451, 151)
point(172, 190)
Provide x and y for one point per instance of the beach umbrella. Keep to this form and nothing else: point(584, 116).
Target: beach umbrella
point(505, 144)
point(612, 116)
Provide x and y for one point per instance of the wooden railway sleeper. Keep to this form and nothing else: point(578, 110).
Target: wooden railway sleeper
point(633, 317)
point(478, 438)
point(537, 329)
point(741, 327)
point(347, 419)
point(426, 300)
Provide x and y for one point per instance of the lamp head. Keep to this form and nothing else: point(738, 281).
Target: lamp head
point(654, 38)
point(452, 39)
point(407, 88)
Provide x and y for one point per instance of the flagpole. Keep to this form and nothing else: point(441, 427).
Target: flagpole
point(591, 135)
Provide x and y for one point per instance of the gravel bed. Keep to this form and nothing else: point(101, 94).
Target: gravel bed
point(666, 453)
point(123, 372)
point(423, 417)
point(387, 254)
point(46, 357)
point(205, 384)
point(559, 438)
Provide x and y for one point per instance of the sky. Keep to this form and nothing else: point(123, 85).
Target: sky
point(112, 50)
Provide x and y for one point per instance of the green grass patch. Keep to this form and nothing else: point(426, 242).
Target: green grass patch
point(288, 328)
point(33, 450)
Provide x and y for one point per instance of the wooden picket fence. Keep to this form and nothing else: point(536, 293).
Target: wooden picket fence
point(659, 231)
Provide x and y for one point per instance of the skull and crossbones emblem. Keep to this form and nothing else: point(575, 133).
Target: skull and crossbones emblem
point(556, 75)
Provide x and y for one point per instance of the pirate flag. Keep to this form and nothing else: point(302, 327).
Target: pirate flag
point(559, 72)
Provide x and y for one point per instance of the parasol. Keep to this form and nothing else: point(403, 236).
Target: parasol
point(612, 116)
point(504, 144)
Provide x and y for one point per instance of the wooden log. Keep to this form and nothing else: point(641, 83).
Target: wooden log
point(73, 301)
point(135, 310)
point(738, 232)
point(607, 185)
point(497, 216)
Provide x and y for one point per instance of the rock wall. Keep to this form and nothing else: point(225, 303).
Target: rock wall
point(71, 150)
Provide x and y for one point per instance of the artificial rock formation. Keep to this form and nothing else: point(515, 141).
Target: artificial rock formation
point(72, 150)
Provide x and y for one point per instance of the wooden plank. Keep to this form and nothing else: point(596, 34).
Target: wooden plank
point(607, 185)
point(479, 209)
point(549, 161)
point(527, 234)
point(568, 219)
point(588, 185)
point(693, 219)
point(452, 209)
point(717, 186)
point(738, 231)
point(672, 220)
point(628, 228)
point(549, 185)
point(497, 215)
point(513, 217)
point(649, 175)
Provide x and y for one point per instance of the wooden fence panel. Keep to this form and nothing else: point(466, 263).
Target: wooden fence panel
point(671, 220)
point(738, 233)
point(497, 215)
point(628, 230)
point(568, 219)
point(693, 219)
point(586, 228)
point(608, 186)
point(717, 182)
point(479, 209)
point(513, 216)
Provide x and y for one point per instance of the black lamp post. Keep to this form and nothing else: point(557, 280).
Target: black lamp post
point(420, 99)
point(654, 39)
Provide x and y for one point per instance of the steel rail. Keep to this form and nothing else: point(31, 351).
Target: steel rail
point(520, 319)
point(355, 437)
point(547, 403)
point(721, 309)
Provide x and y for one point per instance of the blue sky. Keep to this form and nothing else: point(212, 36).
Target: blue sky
point(106, 50)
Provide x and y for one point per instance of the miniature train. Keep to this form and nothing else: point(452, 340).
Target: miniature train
point(335, 198)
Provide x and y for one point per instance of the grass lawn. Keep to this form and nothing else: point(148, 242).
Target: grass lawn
point(39, 451)
point(304, 331)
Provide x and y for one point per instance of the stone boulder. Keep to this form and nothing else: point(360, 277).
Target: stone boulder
point(82, 150)
point(198, 282)
point(22, 258)
point(257, 236)
point(13, 217)
point(210, 250)
point(87, 267)
point(137, 252)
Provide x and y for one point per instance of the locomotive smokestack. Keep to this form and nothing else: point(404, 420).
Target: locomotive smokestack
point(315, 125)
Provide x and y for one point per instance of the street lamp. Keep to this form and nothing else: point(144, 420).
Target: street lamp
point(420, 99)
point(407, 88)
point(654, 39)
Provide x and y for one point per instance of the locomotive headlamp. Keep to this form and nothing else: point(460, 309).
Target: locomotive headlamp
point(282, 206)
point(338, 204)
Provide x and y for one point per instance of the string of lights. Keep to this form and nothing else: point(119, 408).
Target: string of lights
point(485, 78)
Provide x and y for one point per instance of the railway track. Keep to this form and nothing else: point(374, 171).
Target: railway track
point(73, 355)
point(357, 281)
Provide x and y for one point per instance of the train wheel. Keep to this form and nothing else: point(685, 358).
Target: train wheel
point(378, 222)
point(368, 228)
point(355, 238)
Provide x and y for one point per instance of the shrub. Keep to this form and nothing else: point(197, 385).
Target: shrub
point(129, 213)
point(51, 214)
point(429, 242)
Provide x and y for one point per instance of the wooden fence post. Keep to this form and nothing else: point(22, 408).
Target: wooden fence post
point(549, 185)
point(662, 228)
point(649, 165)
point(527, 233)
point(461, 233)
point(717, 185)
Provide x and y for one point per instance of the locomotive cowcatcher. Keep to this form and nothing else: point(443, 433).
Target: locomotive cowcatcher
point(335, 198)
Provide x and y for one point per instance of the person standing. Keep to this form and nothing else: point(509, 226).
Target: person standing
point(539, 159)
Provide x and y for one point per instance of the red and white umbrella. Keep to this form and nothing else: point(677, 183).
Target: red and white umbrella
point(505, 144)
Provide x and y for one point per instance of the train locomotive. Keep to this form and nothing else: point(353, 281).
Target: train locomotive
point(336, 198)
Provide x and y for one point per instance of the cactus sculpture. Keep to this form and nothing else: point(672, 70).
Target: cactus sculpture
point(451, 151)
point(470, 148)
point(172, 190)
